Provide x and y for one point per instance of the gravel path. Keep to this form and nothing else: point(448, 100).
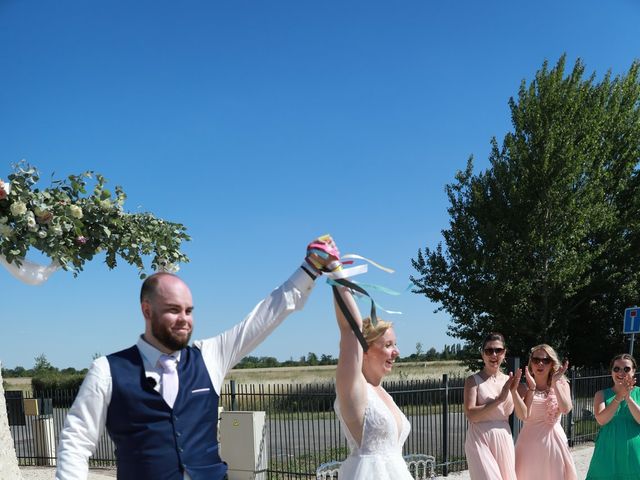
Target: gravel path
point(581, 456)
point(48, 473)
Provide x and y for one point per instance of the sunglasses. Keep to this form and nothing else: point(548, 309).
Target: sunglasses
point(545, 360)
point(491, 351)
point(617, 369)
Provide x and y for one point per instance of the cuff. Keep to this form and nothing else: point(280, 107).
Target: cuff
point(301, 280)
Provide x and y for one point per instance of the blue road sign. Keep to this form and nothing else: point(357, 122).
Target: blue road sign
point(631, 320)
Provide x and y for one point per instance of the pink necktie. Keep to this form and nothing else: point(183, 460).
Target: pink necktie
point(169, 379)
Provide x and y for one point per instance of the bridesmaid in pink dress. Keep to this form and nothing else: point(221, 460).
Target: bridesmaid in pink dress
point(489, 397)
point(542, 450)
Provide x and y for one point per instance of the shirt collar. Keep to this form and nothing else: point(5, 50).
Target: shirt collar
point(151, 354)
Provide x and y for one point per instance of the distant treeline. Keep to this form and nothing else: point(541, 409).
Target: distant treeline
point(449, 352)
point(42, 367)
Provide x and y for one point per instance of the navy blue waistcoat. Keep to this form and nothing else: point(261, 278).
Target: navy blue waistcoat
point(153, 441)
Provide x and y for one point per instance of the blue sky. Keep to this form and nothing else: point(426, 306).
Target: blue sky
point(260, 125)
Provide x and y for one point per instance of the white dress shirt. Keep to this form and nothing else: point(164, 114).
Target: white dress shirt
point(86, 419)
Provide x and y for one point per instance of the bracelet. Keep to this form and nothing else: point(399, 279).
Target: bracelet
point(615, 398)
point(308, 272)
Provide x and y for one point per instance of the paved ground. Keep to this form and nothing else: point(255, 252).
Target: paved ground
point(48, 473)
point(581, 455)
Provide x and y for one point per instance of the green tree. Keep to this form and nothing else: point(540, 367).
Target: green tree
point(268, 362)
point(432, 354)
point(312, 359)
point(42, 365)
point(543, 245)
point(446, 353)
point(326, 359)
point(248, 362)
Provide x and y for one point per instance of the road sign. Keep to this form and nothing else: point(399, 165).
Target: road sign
point(631, 320)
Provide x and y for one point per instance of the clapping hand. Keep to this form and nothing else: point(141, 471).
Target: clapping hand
point(628, 383)
point(560, 372)
point(506, 389)
point(517, 375)
point(531, 382)
point(623, 387)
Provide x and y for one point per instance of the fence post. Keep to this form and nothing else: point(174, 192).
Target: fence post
point(513, 363)
point(234, 403)
point(445, 425)
point(573, 402)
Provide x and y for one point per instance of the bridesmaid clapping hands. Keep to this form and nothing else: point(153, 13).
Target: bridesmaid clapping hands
point(542, 450)
point(617, 450)
point(489, 397)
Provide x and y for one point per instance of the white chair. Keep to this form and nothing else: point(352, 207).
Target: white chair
point(421, 467)
point(328, 471)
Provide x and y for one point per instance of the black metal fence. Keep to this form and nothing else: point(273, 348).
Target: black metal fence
point(303, 430)
point(35, 437)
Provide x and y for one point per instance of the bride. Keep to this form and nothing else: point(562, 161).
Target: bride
point(374, 426)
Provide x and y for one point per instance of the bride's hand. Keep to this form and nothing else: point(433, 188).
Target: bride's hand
point(323, 254)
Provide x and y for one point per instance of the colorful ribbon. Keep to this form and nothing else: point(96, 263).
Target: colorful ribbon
point(338, 276)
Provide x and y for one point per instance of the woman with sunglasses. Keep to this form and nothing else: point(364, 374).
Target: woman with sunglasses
point(617, 451)
point(489, 397)
point(542, 450)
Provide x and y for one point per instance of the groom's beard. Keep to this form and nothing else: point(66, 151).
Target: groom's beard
point(168, 338)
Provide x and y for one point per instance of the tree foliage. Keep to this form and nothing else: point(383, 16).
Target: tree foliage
point(42, 365)
point(543, 246)
point(71, 224)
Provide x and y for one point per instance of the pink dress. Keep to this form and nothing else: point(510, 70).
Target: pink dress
point(489, 444)
point(542, 450)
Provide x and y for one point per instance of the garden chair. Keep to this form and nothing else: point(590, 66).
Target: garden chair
point(421, 467)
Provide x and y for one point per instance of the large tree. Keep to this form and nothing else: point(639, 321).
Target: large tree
point(544, 245)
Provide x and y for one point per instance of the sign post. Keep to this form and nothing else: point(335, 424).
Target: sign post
point(631, 324)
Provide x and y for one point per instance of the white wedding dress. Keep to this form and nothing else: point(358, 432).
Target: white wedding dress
point(380, 454)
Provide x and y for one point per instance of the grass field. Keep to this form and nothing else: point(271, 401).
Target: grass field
point(318, 374)
point(23, 384)
point(326, 373)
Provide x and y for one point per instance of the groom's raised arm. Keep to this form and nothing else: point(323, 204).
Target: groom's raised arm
point(223, 352)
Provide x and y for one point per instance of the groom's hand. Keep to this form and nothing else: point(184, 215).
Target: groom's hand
point(323, 255)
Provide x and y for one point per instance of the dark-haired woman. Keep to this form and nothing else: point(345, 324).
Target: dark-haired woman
point(617, 450)
point(489, 397)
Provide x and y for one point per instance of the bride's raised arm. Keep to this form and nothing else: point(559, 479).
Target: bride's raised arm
point(351, 385)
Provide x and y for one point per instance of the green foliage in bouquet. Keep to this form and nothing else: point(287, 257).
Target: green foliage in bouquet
point(70, 225)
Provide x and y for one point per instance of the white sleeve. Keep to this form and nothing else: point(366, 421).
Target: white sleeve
point(222, 352)
point(84, 423)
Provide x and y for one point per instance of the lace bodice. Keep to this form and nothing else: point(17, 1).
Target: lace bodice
point(379, 430)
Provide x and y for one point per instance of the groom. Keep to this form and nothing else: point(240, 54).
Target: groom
point(159, 398)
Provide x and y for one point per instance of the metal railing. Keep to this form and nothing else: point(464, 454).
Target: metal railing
point(304, 432)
